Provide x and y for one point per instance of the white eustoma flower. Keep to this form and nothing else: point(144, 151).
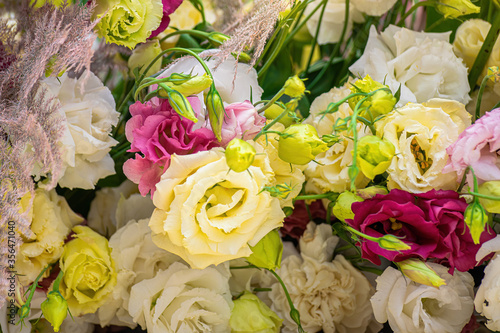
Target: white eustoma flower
point(422, 64)
point(181, 299)
point(415, 308)
point(373, 7)
point(89, 111)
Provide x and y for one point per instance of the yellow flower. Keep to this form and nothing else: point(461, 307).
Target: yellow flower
point(207, 215)
point(469, 38)
point(89, 271)
point(128, 22)
point(294, 87)
point(476, 218)
point(418, 271)
point(421, 133)
point(51, 222)
point(491, 188)
point(342, 209)
point(143, 55)
point(374, 155)
point(55, 309)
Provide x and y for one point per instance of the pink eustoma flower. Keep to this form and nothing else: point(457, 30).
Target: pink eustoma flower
point(241, 121)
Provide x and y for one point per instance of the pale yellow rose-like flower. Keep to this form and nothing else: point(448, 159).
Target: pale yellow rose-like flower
point(331, 171)
point(469, 38)
point(181, 299)
point(137, 258)
point(411, 307)
point(421, 133)
point(207, 214)
point(374, 7)
point(52, 220)
point(89, 271)
point(284, 173)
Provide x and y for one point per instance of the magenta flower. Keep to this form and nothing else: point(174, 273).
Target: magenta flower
point(478, 147)
point(296, 223)
point(156, 132)
point(169, 6)
point(431, 223)
point(241, 121)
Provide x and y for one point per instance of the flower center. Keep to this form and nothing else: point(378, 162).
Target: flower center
point(423, 162)
point(395, 225)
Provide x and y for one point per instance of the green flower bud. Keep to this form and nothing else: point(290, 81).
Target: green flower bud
point(217, 38)
point(299, 144)
point(142, 55)
point(55, 309)
point(392, 243)
point(342, 208)
point(250, 314)
point(380, 103)
point(192, 86)
point(239, 155)
point(267, 252)
point(456, 8)
point(294, 87)
point(216, 111)
point(370, 192)
point(419, 272)
point(179, 103)
point(491, 188)
point(374, 155)
point(274, 111)
point(475, 218)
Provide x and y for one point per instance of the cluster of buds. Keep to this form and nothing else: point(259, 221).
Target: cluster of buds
point(378, 98)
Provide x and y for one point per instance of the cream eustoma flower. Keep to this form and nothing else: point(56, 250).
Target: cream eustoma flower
point(469, 38)
point(181, 299)
point(207, 214)
point(373, 7)
point(137, 258)
point(332, 22)
point(331, 171)
point(421, 133)
point(113, 207)
point(330, 295)
point(415, 308)
point(422, 64)
point(89, 110)
point(51, 222)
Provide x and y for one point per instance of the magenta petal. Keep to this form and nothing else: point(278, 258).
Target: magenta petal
point(169, 6)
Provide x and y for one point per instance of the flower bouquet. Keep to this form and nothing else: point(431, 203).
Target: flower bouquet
point(249, 166)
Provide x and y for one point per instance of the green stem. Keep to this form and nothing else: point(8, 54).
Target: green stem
point(485, 51)
point(464, 178)
point(360, 234)
point(26, 307)
point(315, 39)
point(435, 24)
point(274, 54)
point(414, 8)
point(195, 33)
point(480, 96)
point(484, 196)
point(298, 27)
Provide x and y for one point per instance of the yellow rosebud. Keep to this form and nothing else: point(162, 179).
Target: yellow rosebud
point(126, 22)
point(419, 272)
point(142, 56)
point(342, 208)
point(381, 102)
point(392, 243)
point(491, 188)
point(274, 111)
point(216, 111)
point(193, 86)
point(299, 144)
point(89, 271)
point(294, 87)
point(475, 218)
point(267, 252)
point(239, 155)
point(456, 8)
point(370, 192)
point(250, 314)
point(374, 155)
point(55, 309)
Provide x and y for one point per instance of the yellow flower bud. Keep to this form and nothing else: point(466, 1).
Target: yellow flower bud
point(370, 192)
point(193, 86)
point(491, 188)
point(250, 314)
point(457, 8)
point(142, 55)
point(299, 144)
point(267, 252)
point(294, 87)
point(217, 38)
point(55, 309)
point(419, 272)
point(216, 111)
point(392, 243)
point(475, 218)
point(239, 155)
point(274, 111)
point(179, 103)
point(342, 209)
point(374, 155)
point(381, 102)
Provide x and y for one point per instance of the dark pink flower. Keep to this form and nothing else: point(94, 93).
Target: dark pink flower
point(431, 223)
point(169, 6)
point(296, 224)
point(156, 132)
point(241, 121)
point(478, 147)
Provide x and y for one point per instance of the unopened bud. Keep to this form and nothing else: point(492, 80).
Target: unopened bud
point(216, 111)
point(342, 209)
point(370, 192)
point(456, 8)
point(475, 218)
point(491, 188)
point(217, 38)
point(267, 252)
point(239, 155)
point(392, 243)
point(299, 144)
point(374, 155)
point(381, 102)
point(419, 272)
point(193, 86)
point(55, 309)
point(274, 111)
point(294, 87)
point(179, 103)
